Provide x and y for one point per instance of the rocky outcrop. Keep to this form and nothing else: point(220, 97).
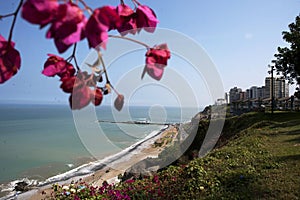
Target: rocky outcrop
point(146, 167)
point(22, 186)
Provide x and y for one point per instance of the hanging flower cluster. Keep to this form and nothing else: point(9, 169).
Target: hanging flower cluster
point(10, 60)
point(67, 24)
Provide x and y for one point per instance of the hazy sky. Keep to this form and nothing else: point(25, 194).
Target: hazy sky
point(240, 37)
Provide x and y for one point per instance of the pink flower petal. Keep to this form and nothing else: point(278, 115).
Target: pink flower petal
point(56, 65)
point(80, 98)
point(67, 84)
point(154, 71)
point(156, 61)
point(68, 26)
point(39, 12)
point(10, 60)
point(146, 18)
point(102, 20)
point(119, 102)
point(128, 20)
point(96, 97)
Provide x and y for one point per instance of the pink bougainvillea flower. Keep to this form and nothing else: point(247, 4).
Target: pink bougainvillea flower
point(129, 181)
point(80, 97)
point(97, 96)
point(75, 81)
point(156, 61)
point(10, 60)
point(146, 18)
point(128, 20)
point(56, 65)
point(68, 26)
point(80, 88)
point(39, 12)
point(119, 102)
point(102, 20)
point(68, 84)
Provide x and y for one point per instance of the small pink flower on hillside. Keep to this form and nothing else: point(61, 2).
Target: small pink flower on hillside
point(146, 18)
point(10, 60)
point(156, 60)
point(155, 179)
point(102, 20)
point(129, 181)
point(68, 26)
point(128, 20)
point(56, 65)
point(40, 12)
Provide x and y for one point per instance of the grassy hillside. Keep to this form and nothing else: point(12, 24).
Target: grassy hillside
point(257, 157)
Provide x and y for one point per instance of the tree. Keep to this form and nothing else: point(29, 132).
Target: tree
point(287, 60)
point(70, 22)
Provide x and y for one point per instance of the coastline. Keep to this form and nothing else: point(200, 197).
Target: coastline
point(107, 169)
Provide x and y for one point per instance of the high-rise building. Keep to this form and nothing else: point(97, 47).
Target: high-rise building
point(234, 94)
point(281, 88)
point(226, 96)
point(261, 92)
point(248, 94)
point(253, 92)
point(268, 87)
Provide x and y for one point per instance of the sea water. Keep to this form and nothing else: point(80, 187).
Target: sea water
point(41, 141)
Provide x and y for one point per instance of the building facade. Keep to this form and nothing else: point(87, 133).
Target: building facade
point(280, 85)
point(234, 94)
point(281, 88)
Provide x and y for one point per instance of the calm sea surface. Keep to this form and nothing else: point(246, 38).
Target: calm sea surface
point(40, 141)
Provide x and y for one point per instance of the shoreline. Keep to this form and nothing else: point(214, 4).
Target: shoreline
point(106, 169)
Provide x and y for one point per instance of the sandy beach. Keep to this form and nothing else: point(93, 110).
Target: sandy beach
point(109, 173)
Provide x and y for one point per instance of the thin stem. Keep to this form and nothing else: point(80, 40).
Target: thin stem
point(76, 64)
point(73, 56)
point(74, 50)
point(7, 15)
point(104, 67)
point(90, 11)
point(130, 39)
point(135, 1)
point(105, 72)
point(114, 89)
point(14, 21)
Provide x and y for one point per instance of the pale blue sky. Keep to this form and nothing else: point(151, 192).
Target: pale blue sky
point(240, 37)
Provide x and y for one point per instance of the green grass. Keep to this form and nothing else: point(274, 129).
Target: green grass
point(257, 157)
point(263, 162)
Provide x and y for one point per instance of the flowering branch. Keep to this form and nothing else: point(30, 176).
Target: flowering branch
point(71, 26)
point(130, 39)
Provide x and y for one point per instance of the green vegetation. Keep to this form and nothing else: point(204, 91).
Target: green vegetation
point(287, 60)
point(257, 157)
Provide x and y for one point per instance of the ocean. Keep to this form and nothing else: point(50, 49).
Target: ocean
point(41, 141)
